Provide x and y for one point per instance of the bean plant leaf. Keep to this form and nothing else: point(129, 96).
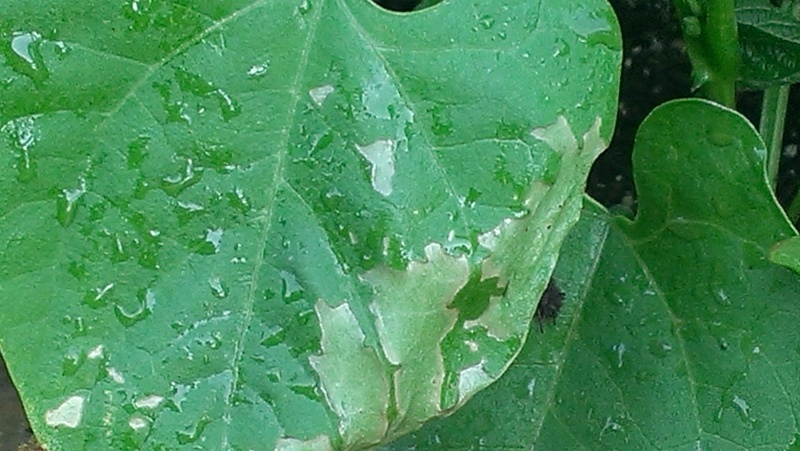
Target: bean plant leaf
point(677, 332)
point(308, 224)
point(769, 37)
point(787, 253)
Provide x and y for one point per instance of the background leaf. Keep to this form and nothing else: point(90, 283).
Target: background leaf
point(212, 210)
point(677, 332)
point(769, 37)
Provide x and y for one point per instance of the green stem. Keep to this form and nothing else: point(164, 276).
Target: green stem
point(722, 42)
point(793, 212)
point(712, 41)
point(773, 114)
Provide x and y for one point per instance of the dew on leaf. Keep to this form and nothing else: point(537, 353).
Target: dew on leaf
point(146, 303)
point(239, 201)
point(72, 362)
point(213, 341)
point(149, 402)
point(98, 352)
point(273, 338)
point(660, 349)
point(218, 289)
point(562, 48)
point(25, 56)
point(721, 138)
point(486, 21)
point(178, 396)
point(67, 204)
point(68, 414)
point(531, 386)
point(176, 184)
point(291, 290)
point(137, 423)
point(118, 251)
point(23, 134)
point(187, 210)
point(115, 375)
point(79, 327)
point(137, 152)
point(258, 70)
point(229, 107)
point(611, 426)
point(98, 297)
point(472, 196)
point(303, 8)
point(380, 155)
point(194, 433)
point(620, 351)
point(320, 93)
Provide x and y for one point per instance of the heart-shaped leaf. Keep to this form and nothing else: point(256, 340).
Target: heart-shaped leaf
point(283, 224)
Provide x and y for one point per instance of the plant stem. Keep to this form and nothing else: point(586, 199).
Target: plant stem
point(711, 36)
point(793, 212)
point(773, 115)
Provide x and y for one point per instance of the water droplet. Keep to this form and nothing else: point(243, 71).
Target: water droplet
point(303, 8)
point(137, 152)
point(720, 138)
point(193, 434)
point(72, 362)
point(723, 207)
point(98, 297)
point(187, 210)
point(176, 184)
point(660, 349)
point(320, 93)
point(80, 327)
point(486, 22)
point(238, 200)
point(258, 70)
point(274, 337)
point(611, 426)
point(25, 57)
point(146, 300)
point(722, 297)
point(620, 350)
point(218, 289)
point(229, 107)
point(380, 155)
point(214, 341)
point(23, 135)
point(291, 290)
point(562, 48)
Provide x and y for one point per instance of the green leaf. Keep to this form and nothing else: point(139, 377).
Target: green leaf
point(787, 253)
point(283, 224)
point(677, 332)
point(769, 38)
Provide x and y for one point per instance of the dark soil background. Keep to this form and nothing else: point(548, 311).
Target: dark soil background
point(655, 70)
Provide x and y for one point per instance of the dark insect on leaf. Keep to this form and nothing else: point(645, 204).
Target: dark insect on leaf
point(549, 304)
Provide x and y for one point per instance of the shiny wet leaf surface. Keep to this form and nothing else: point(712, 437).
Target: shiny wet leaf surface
point(212, 211)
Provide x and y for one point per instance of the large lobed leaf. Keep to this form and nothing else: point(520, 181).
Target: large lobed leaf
point(677, 332)
point(283, 224)
point(770, 42)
